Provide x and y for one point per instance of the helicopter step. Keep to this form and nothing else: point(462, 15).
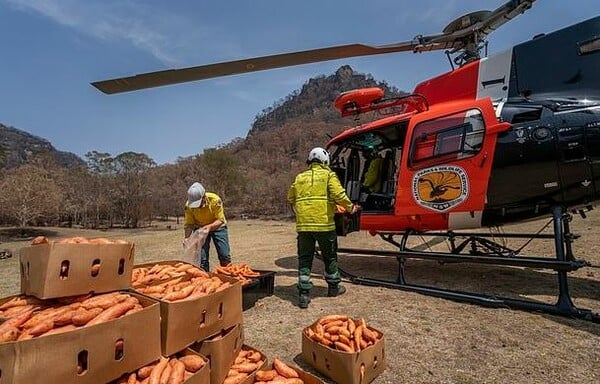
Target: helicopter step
point(484, 251)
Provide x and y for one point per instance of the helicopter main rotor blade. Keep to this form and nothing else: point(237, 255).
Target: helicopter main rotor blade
point(457, 35)
point(174, 76)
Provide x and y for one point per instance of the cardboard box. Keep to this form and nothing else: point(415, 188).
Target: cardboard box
point(59, 270)
point(221, 352)
point(58, 358)
point(345, 367)
point(186, 321)
point(202, 376)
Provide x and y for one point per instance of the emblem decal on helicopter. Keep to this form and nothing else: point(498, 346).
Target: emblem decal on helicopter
point(440, 188)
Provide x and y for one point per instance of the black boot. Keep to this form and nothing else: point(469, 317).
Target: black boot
point(303, 300)
point(335, 290)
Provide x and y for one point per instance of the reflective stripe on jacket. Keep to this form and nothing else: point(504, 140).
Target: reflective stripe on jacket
point(314, 195)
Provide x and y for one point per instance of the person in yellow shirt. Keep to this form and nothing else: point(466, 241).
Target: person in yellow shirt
point(313, 196)
point(372, 183)
point(205, 210)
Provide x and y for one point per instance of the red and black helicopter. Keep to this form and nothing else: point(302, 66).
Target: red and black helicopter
point(496, 140)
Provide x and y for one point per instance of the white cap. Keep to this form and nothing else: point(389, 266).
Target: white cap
point(195, 194)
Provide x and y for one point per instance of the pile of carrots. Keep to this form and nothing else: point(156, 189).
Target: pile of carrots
point(246, 362)
point(174, 370)
point(161, 272)
point(27, 318)
point(182, 288)
point(240, 271)
point(279, 373)
point(77, 240)
point(342, 333)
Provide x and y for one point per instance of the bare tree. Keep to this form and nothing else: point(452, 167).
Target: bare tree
point(29, 194)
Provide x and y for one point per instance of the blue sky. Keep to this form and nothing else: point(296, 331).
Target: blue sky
point(50, 50)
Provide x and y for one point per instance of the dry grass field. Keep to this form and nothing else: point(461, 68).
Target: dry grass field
point(428, 340)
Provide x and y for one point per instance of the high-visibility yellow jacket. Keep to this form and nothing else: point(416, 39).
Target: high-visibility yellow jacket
point(373, 175)
point(314, 195)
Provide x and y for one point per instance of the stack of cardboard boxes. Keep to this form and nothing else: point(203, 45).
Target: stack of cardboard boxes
point(209, 326)
point(88, 354)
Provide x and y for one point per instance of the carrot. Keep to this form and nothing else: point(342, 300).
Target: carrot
point(192, 363)
point(245, 367)
point(284, 369)
point(177, 373)
point(343, 347)
point(39, 240)
point(64, 328)
point(9, 334)
point(330, 318)
point(18, 320)
point(166, 373)
point(154, 377)
point(369, 335)
point(179, 295)
point(254, 356)
point(42, 327)
point(266, 375)
point(237, 379)
point(14, 302)
point(145, 372)
point(83, 316)
point(114, 312)
point(358, 338)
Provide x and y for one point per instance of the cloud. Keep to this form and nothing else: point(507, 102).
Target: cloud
point(111, 20)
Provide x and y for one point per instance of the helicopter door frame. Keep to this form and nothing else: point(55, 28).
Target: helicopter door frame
point(447, 166)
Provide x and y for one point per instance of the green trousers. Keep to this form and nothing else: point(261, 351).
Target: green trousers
point(306, 250)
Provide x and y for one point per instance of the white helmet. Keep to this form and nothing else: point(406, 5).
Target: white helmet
point(318, 154)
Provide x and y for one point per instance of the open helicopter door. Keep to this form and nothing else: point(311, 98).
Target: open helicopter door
point(448, 165)
point(353, 175)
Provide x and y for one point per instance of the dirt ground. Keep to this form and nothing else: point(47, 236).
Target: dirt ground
point(428, 340)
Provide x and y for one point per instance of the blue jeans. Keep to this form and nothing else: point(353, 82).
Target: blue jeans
point(220, 239)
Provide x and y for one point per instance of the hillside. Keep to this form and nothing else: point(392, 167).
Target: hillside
point(18, 147)
point(251, 174)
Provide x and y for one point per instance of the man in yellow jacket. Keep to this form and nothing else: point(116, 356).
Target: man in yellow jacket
point(314, 195)
point(205, 210)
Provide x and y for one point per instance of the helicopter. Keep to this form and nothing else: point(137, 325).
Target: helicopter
point(501, 139)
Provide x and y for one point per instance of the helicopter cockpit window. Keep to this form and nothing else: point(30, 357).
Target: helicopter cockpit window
point(449, 138)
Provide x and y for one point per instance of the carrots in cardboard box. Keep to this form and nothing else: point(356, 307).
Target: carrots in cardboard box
point(280, 373)
point(77, 240)
point(192, 288)
point(168, 370)
point(342, 333)
point(246, 362)
point(53, 316)
point(161, 272)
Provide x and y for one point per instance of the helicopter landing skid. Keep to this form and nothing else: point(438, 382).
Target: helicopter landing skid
point(484, 251)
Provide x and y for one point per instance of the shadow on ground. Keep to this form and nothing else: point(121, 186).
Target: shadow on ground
point(511, 282)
